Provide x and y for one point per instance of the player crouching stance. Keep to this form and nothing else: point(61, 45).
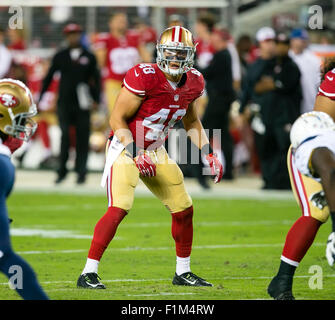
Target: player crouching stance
point(153, 98)
point(311, 162)
point(16, 109)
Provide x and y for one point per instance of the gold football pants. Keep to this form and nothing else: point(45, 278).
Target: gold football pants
point(168, 184)
point(307, 192)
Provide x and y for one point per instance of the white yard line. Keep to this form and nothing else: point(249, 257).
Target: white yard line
point(169, 279)
point(161, 294)
point(54, 234)
point(47, 208)
point(51, 251)
point(211, 223)
point(48, 229)
point(217, 246)
point(132, 295)
point(195, 192)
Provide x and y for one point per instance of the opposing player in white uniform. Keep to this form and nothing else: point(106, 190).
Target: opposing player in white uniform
point(310, 162)
point(312, 171)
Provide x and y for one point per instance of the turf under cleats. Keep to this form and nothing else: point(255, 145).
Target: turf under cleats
point(280, 288)
point(190, 279)
point(90, 281)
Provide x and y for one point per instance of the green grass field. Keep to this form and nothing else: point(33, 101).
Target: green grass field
point(237, 246)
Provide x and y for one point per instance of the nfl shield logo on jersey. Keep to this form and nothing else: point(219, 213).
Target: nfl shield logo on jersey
point(176, 97)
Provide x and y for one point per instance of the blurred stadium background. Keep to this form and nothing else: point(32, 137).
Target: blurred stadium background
point(32, 48)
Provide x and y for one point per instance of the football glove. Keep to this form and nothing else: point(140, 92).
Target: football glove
point(216, 167)
point(145, 165)
point(330, 249)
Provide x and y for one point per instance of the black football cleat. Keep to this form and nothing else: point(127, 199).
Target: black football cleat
point(90, 281)
point(190, 279)
point(280, 288)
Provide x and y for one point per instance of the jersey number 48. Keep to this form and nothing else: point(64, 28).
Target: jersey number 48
point(156, 123)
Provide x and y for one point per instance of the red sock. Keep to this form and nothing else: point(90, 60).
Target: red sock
point(104, 232)
point(300, 238)
point(182, 232)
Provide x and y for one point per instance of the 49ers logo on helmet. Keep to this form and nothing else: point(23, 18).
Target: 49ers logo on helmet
point(8, 100)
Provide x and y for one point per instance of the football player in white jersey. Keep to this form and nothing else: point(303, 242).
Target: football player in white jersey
point(312, 172)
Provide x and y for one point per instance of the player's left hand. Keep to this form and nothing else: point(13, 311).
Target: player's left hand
point(330, 249)
point(145, 165)
point(216, 167)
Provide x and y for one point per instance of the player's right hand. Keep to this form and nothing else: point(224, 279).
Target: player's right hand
point(216, 167)
point(330, 249)
point(145, 165)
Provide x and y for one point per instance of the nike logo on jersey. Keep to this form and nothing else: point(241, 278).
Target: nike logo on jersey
point(136, 74)
point(330, 78)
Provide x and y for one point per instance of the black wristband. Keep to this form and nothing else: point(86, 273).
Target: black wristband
point(132, 149)
point(206, 149)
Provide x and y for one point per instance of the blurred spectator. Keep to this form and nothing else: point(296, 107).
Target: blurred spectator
point(219, 85)
point(235, 60)
point(247, 54)
point(16, 39)
point(147, 34)
point(79, 84)
point(285, 109)
point(309, 66)
point(204, 26)
point(117, 52)
point(46, 118)
point(5, 56)
point(265, 38)
point(245, 49)
point(253, 105)
point(273, 87)
point(176, 20)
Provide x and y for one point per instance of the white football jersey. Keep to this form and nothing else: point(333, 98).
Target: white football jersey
point(303, 153)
